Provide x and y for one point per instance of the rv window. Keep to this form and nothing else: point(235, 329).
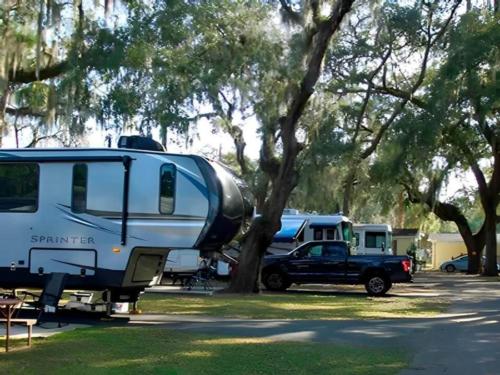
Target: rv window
point(318, 234)
point(167, 188)
point(330, 234)
point(19, 187)
point(79, 189)
point(375, 239)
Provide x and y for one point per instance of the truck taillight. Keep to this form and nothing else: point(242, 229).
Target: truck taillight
point(406, 263)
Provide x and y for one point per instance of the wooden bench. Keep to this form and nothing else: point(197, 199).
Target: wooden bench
point(29, 323)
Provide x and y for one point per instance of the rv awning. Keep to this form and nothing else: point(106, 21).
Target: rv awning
point(325, 224)
point(290, 229)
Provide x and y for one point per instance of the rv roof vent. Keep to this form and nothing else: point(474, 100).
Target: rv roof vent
point(139, 143)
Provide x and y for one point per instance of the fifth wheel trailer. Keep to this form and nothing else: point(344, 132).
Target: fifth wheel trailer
point(109, 217)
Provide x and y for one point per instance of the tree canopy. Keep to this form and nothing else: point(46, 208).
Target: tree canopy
point(369, 108)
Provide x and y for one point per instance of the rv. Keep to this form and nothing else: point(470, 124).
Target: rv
point(107, 218)
point(373, 239)
point(297, 228)
point(183, 263)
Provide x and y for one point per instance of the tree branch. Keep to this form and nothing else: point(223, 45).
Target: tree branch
point(28, 76)
point(23, 111)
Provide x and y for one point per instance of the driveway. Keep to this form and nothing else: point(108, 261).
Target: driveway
point(465, 340)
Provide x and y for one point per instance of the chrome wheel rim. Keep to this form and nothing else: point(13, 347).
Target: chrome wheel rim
point(376, 284)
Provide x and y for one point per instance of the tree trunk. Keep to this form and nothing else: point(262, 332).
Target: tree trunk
point(260, 236)
point(474, 244)
point(260, 192)
point(163, 136)
point(348, 190)
point(449, 212)
point(284, 177)
point(4, 99)
point(400, 211)
point(490, 224)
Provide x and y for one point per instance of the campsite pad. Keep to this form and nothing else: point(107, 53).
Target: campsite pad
point(62, 321)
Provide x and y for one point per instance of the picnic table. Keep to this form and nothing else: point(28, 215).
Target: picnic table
point(7, 308)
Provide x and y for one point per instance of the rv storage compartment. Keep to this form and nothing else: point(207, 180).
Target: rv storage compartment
point(67, 261)
point(145, 267)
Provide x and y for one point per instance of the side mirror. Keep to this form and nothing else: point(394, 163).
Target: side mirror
point(382, 247)
point(295, 254)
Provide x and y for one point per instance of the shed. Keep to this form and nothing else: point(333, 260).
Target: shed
point(446, 246)
point(403, 238)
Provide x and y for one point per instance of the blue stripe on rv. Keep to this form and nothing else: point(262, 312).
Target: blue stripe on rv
point(203, 190)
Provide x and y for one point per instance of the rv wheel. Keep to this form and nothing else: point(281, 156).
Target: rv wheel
point(276, 281)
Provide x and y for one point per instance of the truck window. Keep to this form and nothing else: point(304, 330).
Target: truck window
point(79, 188)
point(375, 239)
point(167, 188)
point(314, 251)
point(334, 250)
point(19, 187)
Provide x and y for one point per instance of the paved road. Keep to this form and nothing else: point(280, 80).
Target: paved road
point(465, 340)
point(470, 342)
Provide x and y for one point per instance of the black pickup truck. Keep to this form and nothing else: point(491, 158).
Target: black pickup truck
point(330, 262)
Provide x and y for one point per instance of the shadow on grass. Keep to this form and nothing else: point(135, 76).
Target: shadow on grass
point(296, 305)
point(153, 351)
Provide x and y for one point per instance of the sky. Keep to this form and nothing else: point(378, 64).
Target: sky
point(205, 142)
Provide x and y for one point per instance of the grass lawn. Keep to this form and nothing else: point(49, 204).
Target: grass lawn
point(160, 351)
point(292, 306)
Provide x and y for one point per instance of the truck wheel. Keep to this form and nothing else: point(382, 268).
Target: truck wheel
point(450, 268)
point(377, 285)
point(276, 281)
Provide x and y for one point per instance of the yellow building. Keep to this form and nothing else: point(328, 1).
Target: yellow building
point(403, 238)
point(446, 246)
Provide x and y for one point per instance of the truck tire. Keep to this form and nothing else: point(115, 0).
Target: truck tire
point(377, 285)
point(275, 280)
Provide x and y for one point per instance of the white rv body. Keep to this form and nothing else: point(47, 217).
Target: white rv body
point(373, 239)
point(113, 229)
point(183, 261)
point(298, 228)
